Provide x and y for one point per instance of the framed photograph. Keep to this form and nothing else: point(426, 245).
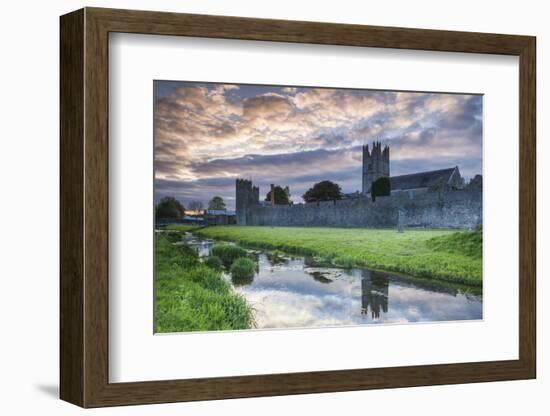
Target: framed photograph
point(257, 207)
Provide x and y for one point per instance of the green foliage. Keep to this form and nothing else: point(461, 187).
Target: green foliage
point(281, 197)
point(468, 243)
point(216, 203)
point(213, 262)
point(227, 253)
point(173, 236)
point(345, 261)
point(169, 207)
point(323, 191)
point(410, 252)
point(191, 296)
point(381, 187)
point(242, 271)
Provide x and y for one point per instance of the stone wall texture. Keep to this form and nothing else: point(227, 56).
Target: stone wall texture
point(451, 209)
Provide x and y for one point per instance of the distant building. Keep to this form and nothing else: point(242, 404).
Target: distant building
point(219, 217)
point(434, 180)
point(376, 164)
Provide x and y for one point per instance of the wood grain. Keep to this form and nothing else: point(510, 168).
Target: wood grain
point(84, 207)
point(71, 218)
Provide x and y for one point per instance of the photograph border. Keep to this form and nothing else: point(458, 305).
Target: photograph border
point(84, 215)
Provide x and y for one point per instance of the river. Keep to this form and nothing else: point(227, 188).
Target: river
point(291, 291)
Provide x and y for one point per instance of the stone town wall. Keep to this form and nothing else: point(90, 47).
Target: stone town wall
point(451, 209)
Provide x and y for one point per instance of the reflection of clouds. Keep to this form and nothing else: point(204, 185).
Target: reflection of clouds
point(438, 306)
point(287, 295)
point(281, 309)
point(208, 131)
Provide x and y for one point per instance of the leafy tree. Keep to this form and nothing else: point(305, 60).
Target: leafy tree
point(281, 197)
point(475, 183)
point(323, 191)
point(380, 187)
point(169, 207)
point(195, 206)
point(216, 203)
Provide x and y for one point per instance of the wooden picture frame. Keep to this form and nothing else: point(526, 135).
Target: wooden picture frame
point(84, 207)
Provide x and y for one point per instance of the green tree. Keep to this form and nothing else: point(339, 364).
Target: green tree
point(381, 187)
point(281, 197)
point(216, 203)
point(169, 207)
point(323, 191)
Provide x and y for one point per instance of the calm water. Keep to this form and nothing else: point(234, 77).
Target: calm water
point(291, 292)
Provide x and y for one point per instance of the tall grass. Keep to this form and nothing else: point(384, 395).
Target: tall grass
point(242, 271)
point(190, 296)
point(415, 252)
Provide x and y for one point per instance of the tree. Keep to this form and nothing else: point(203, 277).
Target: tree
point(216, 203)
point(281, 196)
point(195, 206)
point(380, 187)
point(323, 191)
point(169, 207)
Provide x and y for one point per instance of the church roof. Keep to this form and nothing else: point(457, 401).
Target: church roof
point(421, 179)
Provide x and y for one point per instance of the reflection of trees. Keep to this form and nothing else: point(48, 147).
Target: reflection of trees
point(374, 293)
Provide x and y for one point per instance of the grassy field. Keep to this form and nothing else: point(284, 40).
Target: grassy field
point(442, 254)
point(191, 296)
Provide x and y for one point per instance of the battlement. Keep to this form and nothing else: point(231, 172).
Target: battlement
point(377, 151)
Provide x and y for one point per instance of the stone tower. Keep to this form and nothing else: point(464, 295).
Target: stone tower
point(246, 195)
point(376, 164)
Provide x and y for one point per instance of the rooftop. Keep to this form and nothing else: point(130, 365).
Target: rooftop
point(421, 179)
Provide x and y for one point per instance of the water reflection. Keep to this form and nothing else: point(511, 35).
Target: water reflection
point(291, 291)
point(374, 293)
point(319, 276)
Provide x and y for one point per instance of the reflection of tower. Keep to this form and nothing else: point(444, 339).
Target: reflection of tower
point(374, 293)
point(376, 164)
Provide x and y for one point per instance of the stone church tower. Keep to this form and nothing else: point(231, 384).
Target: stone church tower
point(375, 165)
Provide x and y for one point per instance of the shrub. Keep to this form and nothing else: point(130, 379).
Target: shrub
point(227, 253)
point(380, 187)
point(242, 271)
point(213, 262)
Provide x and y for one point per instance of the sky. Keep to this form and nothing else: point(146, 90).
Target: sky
point(209, 134)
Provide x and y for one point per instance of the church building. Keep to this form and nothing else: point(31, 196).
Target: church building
point(376, 164)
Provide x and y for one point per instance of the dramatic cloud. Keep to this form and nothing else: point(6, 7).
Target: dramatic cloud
point(207, 135)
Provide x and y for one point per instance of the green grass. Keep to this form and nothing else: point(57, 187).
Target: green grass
point(466, 243)
point(190, 296)
point(214, 262)
point(441, 254)
point(242, 269)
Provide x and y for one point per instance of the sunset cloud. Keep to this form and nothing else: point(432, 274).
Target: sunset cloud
point(207, 135)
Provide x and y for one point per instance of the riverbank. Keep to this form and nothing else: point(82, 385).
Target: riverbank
point(189, 296)
point(438, 254)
